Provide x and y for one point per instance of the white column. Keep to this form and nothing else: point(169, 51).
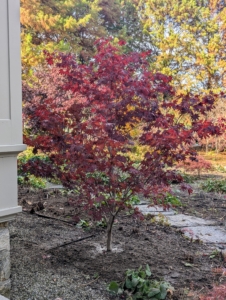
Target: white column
point(10, 128)
point(10, 107)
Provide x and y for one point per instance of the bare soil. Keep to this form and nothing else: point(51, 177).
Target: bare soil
point(54, 240)
point(210, 206)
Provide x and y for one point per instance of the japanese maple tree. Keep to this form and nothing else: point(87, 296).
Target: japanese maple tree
point(79, 114)
point(199, 164)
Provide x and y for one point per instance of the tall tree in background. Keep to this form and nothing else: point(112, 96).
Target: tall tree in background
point(57, 25)
point(126, 24)
point(74, 25)
point(189, 36)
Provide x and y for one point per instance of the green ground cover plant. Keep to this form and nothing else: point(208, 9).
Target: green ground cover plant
point(26, 178)
point(139, 285)
point(32, 181)
point(172, 200)
point(218, 186)
point(220, 168)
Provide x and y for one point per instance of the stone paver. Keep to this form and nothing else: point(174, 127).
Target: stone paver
point(155, 210)
point(3, 298)
point(4, 260)
point(207, 234)
point(182, 220)
point(50, 185)
point(199, 229)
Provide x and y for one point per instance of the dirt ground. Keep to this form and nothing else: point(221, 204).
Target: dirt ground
point(191, 267)
point(210, 206)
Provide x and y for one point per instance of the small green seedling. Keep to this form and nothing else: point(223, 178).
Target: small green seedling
point(83, 224)
point(214, 254)
point(102, 223)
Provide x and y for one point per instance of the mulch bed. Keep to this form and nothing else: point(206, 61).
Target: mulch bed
point(186, 264)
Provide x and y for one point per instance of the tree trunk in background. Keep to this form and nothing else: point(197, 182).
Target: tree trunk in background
point(207, 145)
point(216, 145)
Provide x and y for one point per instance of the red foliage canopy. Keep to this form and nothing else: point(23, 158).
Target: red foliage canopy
point(77, 114)
point(200, 164)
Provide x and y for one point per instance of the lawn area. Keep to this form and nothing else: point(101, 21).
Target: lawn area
point(217, 159)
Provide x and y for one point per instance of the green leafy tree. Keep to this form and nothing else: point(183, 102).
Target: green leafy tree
point(58, 25)
point(74, 25)
point(189, 37)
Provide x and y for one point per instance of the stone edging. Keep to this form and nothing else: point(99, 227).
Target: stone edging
point(4, 261)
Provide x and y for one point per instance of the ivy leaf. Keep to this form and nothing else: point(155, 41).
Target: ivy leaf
point(113, 287)
point(153, 292)
point(148, 271)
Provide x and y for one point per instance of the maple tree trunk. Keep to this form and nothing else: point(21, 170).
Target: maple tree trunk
point(109, 232)
point(207, 145)
point(216, 146)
